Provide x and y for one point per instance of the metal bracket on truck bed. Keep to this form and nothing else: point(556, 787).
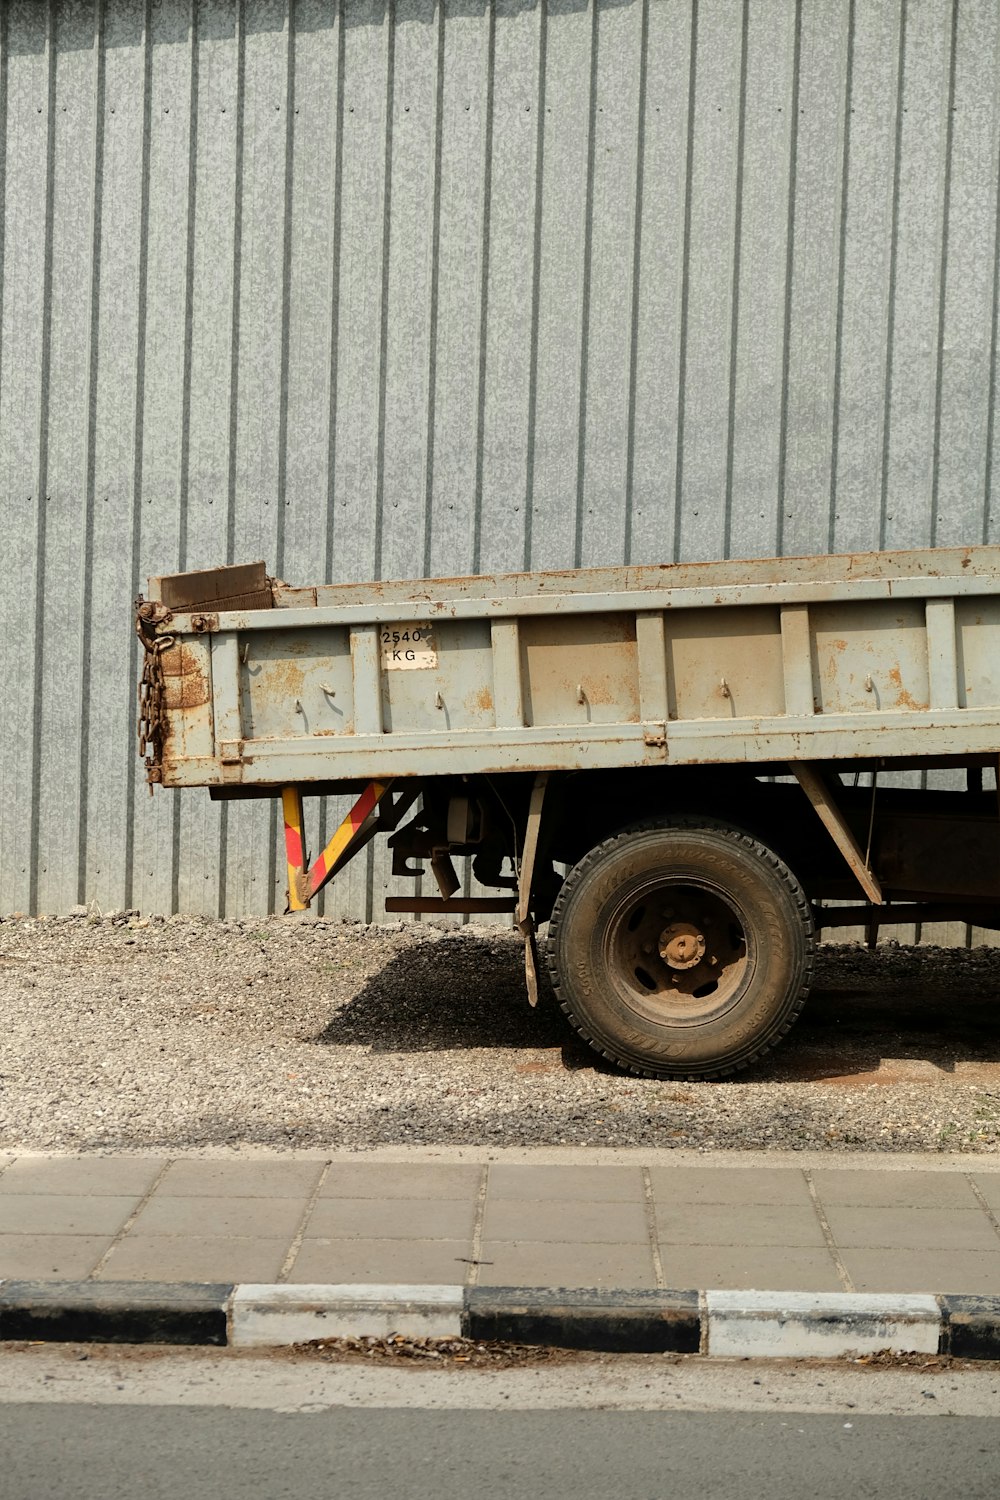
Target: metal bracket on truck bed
point(306, 881)
point(816, 789)
point(525, 921)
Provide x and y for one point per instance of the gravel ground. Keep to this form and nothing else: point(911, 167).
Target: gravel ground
point(128, 1032)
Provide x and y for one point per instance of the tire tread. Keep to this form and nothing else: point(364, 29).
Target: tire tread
point(751, 845)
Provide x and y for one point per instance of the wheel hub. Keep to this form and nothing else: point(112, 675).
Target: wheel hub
point(682, 945)
point(678, 959)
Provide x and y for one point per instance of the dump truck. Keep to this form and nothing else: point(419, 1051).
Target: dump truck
point(672, 778)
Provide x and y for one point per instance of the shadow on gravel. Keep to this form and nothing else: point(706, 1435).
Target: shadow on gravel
point(455, 994)
point(896, 1015)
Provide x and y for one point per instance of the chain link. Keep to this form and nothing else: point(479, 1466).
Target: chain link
point(152, 721)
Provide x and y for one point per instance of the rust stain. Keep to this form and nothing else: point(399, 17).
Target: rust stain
point(283, 678)
point(482, 701)
point(858, 1068)
point(184, 683)
point(547, 1060)
point(904, 698)
point(907, 700)
point(599, 691)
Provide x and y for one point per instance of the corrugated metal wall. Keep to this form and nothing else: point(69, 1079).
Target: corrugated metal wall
point(379, 289)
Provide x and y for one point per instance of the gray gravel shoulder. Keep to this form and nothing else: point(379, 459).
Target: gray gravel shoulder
point(129, 1032)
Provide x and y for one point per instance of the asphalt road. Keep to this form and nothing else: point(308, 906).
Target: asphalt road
point(103, 1453)
point(93, 1423)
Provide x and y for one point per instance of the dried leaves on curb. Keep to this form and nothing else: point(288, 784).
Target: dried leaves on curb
point(908, 1359)
point(458, 1351)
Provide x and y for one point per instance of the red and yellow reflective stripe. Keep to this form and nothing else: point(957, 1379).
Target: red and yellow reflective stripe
point(291, 807)
point(361, 810)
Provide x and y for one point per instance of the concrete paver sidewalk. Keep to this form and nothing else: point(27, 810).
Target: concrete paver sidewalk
point(645, 1221)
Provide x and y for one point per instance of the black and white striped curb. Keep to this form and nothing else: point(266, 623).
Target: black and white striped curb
point(730, 1323)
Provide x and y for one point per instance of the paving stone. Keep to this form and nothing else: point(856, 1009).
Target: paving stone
point(155, 1257)
point(82, 1176)
point(570, 1264)
point(737, 1186)
point(936, 1271)
point(396, 1218)
point(240, 1179)
point(893, 1189)
point(579, 1184)
point(63, 1213)
point(988, 1184)
point(589, 1223)
point(43, 1257)
point(270, 1218)
point(771, 1268)
point(382, 1261)
point(382, 1179)
point(912, 1229)
point(748, 1224)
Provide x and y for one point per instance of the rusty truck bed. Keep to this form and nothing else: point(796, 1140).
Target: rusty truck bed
point(250, 681)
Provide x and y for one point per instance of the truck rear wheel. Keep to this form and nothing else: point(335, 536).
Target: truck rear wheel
point(681, 948)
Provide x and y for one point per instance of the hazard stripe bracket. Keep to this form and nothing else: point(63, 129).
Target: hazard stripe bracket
point(305, 881)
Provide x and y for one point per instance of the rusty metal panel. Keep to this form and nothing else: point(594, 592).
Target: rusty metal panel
point(245, 586)
point(869, 659)
point(447, 686)
point(298, 683)
point(862, 661)
point(725, 664)
point(580, 671)
point(192, 711)
point(978, 627)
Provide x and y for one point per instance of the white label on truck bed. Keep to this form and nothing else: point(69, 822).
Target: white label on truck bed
point(407, 648)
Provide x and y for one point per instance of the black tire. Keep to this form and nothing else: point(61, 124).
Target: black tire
point(681, 948)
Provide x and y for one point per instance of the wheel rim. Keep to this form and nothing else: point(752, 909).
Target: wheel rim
point(679, 953)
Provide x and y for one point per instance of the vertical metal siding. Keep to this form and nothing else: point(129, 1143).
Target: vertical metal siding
point(386, 287)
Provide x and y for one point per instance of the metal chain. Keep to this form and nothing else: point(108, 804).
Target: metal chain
point(152, 721)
